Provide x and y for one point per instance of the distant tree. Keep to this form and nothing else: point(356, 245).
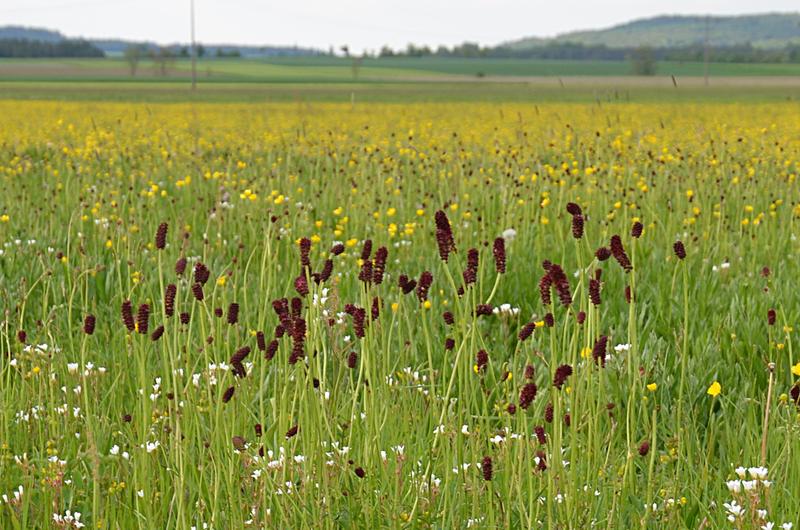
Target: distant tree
point(163, 59)
point(643, 61)
point(345, 50)
point(133, 55)
point(468, 49)
point(201, 50)
point(223, 54)
point(184, 52)
point(442, 51)
point(386, 52)
point(356, 66)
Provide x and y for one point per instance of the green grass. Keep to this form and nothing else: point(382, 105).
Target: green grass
point(339, 70)
point(596, 91)
point(372, 408)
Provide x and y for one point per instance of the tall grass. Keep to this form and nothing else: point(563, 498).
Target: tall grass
point(556, 372)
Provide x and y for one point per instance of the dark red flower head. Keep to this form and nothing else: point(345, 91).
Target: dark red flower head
point(425, 281)
point(157, 333)
point(301, 285)
point(602, 253)
point(197, 291)
point(305, 251)
point(143, 318)
point(233, 313)
point(481, 360)
point(366, 250)
point(577, 226)
point(180, 266)
point(679, 249)
point(527, 395)
point(161, 236)
point(88, 324)
point(599, 350)
point(499, 252)
point(618, 251)
point(444, 235)
point(379, 266)
point(526, 331)
point(169, 299)
point(201, 273)
point(573, 209)
point(486, 468)
point(127, 315)
point(562, 373)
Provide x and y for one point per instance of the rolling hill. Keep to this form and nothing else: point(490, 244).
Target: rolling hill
point(772, 30)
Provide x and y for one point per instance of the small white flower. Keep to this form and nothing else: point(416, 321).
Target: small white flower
point(72, 368)
point(734, 486)
point(465, 430)
point(758, 472)
point(509, 234)
point(114, 450)
point(741, 471)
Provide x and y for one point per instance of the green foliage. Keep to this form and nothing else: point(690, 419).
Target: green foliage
point(643, 61)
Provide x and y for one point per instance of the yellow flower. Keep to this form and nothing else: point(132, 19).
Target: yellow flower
point(395, 306)
point(427, 304)
point(714, 389)
point(796, 369)
point(221, 281)
point(4, 218)
point(652, 387)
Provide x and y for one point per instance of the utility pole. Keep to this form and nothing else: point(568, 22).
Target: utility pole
point(705, 54)
point(194, 51)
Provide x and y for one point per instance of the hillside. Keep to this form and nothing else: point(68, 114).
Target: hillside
point(116, 47)
point(772, 30)
point(24, 33)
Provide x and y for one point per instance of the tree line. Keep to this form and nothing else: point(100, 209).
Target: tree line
point(18, 48)
point(745, 53)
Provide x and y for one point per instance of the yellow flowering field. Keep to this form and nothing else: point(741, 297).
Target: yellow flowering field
point(405, 315)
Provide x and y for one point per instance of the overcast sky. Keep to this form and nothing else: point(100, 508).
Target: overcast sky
point(362, 24)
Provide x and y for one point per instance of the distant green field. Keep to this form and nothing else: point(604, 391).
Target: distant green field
point(341, 70)
point(540, 67)
point(599, 91)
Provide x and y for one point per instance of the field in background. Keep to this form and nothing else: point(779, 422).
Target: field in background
point(393, 80)
point(338, 70)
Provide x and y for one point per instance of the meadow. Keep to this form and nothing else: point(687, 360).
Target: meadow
point(325, 69)
point(322, 312)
